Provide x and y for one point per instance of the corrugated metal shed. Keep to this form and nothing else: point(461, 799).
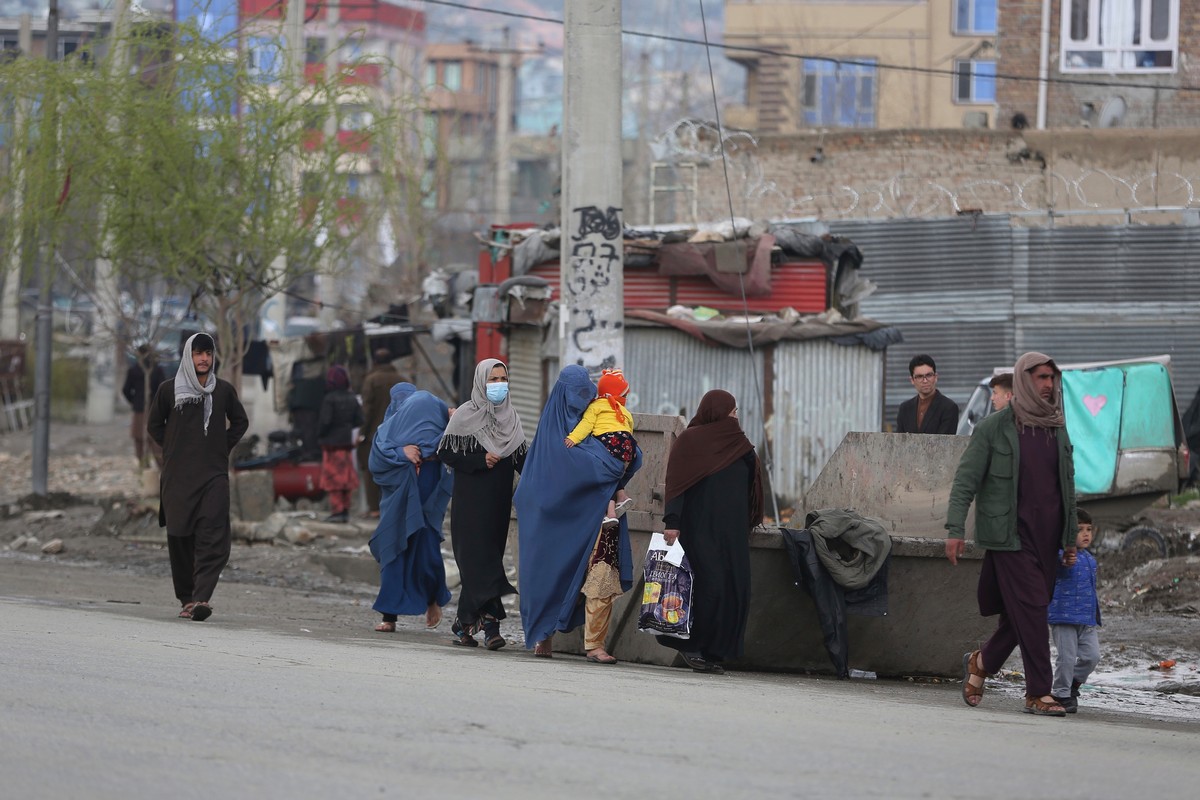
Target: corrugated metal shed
point(819, 390)
point(947, 284)
point(974, 293)
point(1125, 265)
point(670, 371)
point(797, 284)
point(822, 392)
point(526, 379)
point(933, 255)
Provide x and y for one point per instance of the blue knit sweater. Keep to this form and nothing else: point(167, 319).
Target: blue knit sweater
point(1075, 601)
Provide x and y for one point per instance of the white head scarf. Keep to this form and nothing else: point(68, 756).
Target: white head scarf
point(495, 426)
point(187, 384)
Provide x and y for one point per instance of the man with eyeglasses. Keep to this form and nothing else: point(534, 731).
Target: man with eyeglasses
point(930, 411)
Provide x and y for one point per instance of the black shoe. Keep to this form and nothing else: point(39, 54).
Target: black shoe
point(201, 612)
point(700, 664)
point(1069, 704)
point(1075, 688)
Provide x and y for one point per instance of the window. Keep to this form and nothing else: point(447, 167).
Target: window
point(1120, 35)
point(975, 81)
point(974, 16)
point(67, 48)
point(839, 95)
point(430, 75)
point(452, 75)
point(264, 58)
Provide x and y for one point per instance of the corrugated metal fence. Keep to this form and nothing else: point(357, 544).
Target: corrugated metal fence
point(819, 390)
point(976, 292)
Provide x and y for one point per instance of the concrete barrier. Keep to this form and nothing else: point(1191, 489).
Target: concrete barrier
point(932, 617)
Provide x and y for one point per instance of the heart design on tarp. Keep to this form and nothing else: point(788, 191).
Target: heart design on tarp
point(1094, 404)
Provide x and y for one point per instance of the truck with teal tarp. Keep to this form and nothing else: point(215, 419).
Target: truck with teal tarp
point(1129, 440)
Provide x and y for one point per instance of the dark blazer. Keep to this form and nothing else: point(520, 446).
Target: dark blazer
point(340, 415)
point(942, 416)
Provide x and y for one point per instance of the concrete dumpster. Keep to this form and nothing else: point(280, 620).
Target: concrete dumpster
point(903, 480)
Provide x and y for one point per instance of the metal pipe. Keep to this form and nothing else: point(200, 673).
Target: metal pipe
point(1043, 66)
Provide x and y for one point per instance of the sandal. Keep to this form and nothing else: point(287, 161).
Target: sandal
point(433, 618)
point(463, 636)
point(385, 627)
point(186, 611)
point(972, 695)
point(492, 639)
point(543, 649)
point(201, 611)
point(1039, 707)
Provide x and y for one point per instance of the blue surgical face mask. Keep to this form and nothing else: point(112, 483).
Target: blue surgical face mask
point(496, 392)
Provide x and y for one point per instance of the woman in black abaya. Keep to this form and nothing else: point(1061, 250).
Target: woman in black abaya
point(713, 500)
point(484, 445)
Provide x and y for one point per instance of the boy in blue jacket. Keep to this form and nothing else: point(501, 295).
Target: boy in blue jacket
point(1074, 617)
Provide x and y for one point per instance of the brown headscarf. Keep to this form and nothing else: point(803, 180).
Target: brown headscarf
point(1028, 406)
point(713, 440)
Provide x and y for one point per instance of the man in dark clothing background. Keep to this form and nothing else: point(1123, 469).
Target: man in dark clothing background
point(930, 411)
point(376, 395)
point(197, 419)
point(134, 391)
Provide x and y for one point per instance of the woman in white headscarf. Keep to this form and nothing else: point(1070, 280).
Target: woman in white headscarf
point(485, 446)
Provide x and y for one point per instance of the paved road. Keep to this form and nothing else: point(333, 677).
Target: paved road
point(110, 700)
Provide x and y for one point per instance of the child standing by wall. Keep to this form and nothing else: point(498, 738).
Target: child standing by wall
point(1074, 617)
point(608, 421)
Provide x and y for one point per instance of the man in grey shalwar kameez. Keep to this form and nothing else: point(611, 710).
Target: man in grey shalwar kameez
point(188, 420)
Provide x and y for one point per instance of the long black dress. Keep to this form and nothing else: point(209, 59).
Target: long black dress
point(194, 485)
point(712, 518)
point(479, 513)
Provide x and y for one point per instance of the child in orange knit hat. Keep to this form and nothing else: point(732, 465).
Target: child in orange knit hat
point(607, 419)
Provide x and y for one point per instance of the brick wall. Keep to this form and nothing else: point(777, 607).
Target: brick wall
point(938, 173)
point(1153, 101)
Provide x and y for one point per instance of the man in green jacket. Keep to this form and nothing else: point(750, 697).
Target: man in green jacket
point(1018, 469)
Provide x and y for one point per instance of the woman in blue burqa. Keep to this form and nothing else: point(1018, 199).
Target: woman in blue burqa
point(416, 489)
point(566, 564)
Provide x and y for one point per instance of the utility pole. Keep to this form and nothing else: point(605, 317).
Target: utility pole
point(43, 332)
point(10, 303)
point(592, 308)
point(504, 113)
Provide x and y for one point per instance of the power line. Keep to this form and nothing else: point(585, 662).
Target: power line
point(801, 56)
point(768, 458)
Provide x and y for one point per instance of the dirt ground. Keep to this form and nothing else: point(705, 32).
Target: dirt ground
point(97, 508)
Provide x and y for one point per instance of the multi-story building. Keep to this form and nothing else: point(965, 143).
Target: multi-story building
point(1098, 63)
point(461, 81)
point(73, 34)
point(864, 63)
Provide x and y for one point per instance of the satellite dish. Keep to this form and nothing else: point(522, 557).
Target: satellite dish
point(1111, 113)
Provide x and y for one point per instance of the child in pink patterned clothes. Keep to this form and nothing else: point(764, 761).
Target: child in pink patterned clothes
point(608, 421)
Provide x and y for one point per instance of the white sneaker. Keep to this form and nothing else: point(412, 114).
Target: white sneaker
point(624, 506)
point(609, 523)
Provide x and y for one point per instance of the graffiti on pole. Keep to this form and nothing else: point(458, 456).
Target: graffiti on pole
point(593, 308)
